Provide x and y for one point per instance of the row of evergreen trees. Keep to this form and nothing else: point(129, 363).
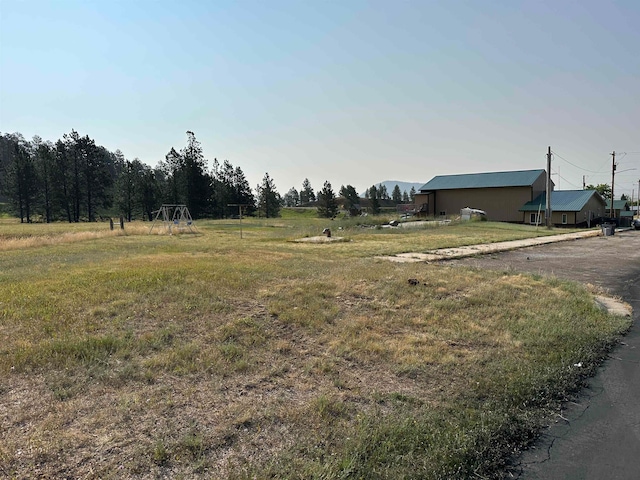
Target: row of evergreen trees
point(76, 180)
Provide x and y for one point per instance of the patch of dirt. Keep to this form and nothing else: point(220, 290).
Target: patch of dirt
point(613, 305)
point(321, 239)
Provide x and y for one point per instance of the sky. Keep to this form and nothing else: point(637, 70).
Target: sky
point(347, 91)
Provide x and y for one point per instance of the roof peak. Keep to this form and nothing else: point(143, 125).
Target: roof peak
point(511, 178)
point(495, 173)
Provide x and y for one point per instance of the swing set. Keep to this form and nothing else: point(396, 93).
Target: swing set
point(174, 218)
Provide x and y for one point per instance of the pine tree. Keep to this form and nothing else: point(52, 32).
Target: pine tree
point(374, 199)
point(291, 198)
point(382, 192)
point(62, 181)
point(173, 168)
point(45, 163)
point(148, 191)
point(351, 199)
point(327, 205)
point(269, 200)
point(306, 194)
point(126, 189)
point(243, 194)
point(196, 179)
point(396, 196)
point(20, 182)
point(226, 190)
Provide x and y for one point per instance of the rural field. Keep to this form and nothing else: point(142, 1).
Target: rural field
point(126, 354)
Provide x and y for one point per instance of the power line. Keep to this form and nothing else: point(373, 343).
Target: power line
point(567, 181)
point(572, 184)
point(576, 166)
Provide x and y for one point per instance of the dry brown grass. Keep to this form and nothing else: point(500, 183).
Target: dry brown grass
point(17, 239)
point(205, 357)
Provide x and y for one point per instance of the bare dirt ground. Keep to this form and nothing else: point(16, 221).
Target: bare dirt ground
point(597, 435)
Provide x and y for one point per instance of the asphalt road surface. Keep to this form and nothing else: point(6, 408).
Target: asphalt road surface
point(597, 436)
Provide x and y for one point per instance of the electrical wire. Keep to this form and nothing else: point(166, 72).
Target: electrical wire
point(567, 181)
point(576, 166)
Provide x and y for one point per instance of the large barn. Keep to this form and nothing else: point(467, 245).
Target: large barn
point(500, 194)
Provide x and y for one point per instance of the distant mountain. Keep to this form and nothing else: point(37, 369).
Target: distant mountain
point(390, 184)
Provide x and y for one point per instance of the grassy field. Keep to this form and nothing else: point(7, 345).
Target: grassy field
point(206, 355)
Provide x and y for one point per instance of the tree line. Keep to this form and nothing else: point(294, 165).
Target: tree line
point(74, 179)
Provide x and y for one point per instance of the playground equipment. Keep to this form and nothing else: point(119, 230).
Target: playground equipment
point(174, 218)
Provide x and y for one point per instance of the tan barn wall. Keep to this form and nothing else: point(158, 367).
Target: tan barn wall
point(539, 187)
point(421, 198)
point(501, 204)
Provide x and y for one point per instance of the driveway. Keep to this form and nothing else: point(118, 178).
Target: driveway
point(597, 436)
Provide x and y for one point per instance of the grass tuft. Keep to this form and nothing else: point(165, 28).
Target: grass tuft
point(211, 356)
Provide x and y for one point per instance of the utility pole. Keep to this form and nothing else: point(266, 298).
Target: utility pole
point(584, 183)
point(638, 201)
point(547, 212)
point(613, 176)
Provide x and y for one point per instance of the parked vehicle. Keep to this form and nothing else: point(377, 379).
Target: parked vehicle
point(636, 224)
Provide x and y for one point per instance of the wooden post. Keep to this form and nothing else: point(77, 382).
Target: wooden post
point(239, 205)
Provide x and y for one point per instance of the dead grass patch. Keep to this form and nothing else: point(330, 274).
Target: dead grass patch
point(206, 357)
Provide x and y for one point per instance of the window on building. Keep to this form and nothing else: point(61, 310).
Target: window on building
point(533, 218)
point(443, 214)
point(564, 219)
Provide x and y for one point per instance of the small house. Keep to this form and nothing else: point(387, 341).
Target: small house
point(569, 208)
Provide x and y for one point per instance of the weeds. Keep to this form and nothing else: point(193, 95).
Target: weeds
point(205, 356)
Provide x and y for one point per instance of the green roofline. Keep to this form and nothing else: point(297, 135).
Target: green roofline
point(518, 178)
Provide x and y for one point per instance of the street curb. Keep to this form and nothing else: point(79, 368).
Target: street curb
point(486, 248)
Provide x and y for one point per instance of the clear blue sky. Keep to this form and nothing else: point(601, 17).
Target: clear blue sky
point(354, 92)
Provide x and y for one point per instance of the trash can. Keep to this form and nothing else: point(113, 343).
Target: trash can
point(608, 229)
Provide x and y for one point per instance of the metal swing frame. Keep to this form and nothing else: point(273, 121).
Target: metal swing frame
point(174, 217)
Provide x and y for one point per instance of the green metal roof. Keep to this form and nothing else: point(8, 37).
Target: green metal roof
point(617, 204)
point(562, 201)
point(520, 178)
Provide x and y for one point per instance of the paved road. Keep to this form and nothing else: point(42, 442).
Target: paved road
point(598, 437)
